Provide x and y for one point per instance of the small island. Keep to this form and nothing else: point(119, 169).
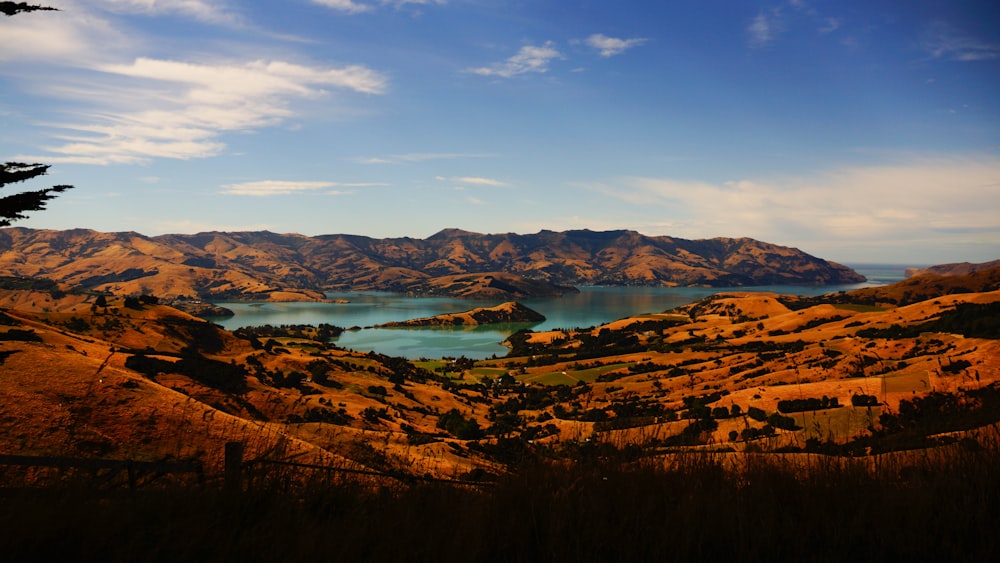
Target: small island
point(510, 312)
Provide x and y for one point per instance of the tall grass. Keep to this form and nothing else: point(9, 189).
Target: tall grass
point(941, 504)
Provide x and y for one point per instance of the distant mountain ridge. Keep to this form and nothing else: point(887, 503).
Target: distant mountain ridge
point(955, 269)
point(265, 265)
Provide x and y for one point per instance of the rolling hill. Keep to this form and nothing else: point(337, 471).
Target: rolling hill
point(504, 313)
point(264, 265)
point(134, 379)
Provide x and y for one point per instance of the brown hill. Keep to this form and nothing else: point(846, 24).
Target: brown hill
point(914, 289)
point(145, 381)
point(511, 312)
point(263, 265)
point(954, 269)
point(150, 382)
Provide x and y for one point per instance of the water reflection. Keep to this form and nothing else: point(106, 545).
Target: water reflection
point(592, 306)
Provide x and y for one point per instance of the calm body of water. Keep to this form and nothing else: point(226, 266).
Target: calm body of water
point(591, 307)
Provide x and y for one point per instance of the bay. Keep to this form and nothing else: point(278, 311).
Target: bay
point(593, 306)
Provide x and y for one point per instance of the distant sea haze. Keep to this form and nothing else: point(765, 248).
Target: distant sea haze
point(593, 306)
point(883, 274)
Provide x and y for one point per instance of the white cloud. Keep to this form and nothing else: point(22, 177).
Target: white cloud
point(403, 3)
point(263, 188)
point(830, 25)
point(185, 106)
point(146, 108)
point(203, 10)
point(346, 6)
point(764, 29)
point(352, 7)
point(273, 187)
point(226, 82)
point(945, 197)
point(530, 58)
point(475, 181)
point(610, 46)
point(53, 37)
point(943, 41)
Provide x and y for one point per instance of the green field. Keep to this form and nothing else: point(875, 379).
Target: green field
point(489, 372)
point(430, 365)
point(572, 377)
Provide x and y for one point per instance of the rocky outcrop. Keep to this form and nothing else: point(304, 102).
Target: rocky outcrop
point(201, 309)
point(505, 313)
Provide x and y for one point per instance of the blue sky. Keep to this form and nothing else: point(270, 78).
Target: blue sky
point(858, 131)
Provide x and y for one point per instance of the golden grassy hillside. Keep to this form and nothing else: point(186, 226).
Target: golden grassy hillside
point(736, 371)
point(264, 265)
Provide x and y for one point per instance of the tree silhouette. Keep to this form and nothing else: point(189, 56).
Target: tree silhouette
point(11, 8)
point(13, 207)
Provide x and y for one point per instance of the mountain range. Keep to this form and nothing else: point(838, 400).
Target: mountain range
point(265, 265)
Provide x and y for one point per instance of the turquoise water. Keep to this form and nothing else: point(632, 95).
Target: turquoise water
point(591, 307)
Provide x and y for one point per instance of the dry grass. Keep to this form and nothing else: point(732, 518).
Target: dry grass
point(577, 495)
point(931, 505)
point(72, 380)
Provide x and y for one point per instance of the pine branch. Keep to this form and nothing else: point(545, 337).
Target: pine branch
point(12, 207)
point(11, 8)
point(12, 172)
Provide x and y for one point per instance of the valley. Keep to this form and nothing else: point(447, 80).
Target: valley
point(749, 417)
point(137, 379)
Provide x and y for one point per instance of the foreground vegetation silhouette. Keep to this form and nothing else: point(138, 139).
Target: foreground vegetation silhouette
point(941, 504)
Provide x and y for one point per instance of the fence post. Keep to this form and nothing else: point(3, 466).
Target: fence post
point(234, 468)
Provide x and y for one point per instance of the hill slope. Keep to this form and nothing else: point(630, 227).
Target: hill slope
point(149, 382)
point(954, 269)
point(263, 265)
point(510, 312)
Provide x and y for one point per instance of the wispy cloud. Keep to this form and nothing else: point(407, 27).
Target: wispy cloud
point(264, 188)
point(764, 29)
point(204, 10)
point(403, 3)
point(768, 25)
point(473, 180)
point(611, 46)
point(142, 108)
point(228, 82)
point(943, 41)
point(53, 38)
point(352, 7)
point(187, 106)
point(907, 201)
point(829, 26)
point(529, 59)
point(346, 6)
